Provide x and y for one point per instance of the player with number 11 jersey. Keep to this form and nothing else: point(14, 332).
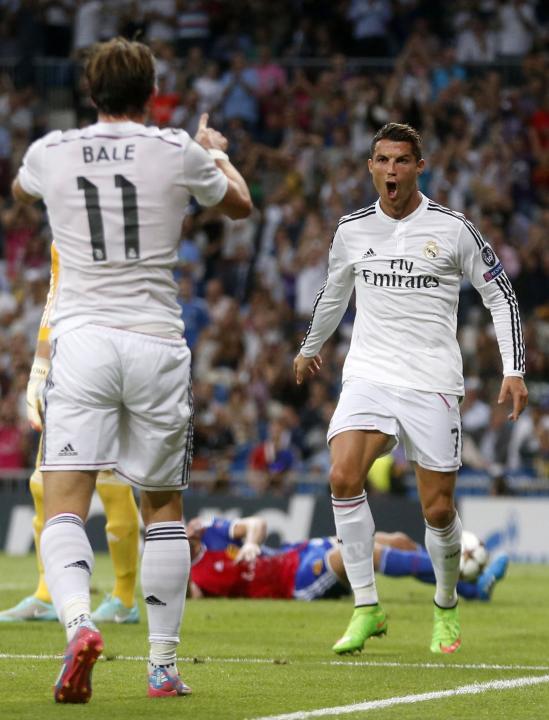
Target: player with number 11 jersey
point(116, 195)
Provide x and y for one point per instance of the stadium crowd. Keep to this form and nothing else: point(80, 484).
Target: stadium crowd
point(300, 88)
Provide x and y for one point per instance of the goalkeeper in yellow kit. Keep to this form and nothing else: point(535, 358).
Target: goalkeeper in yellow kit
point(122, 526)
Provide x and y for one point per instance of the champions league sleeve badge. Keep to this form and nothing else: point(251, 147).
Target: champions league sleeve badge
point(488, 255)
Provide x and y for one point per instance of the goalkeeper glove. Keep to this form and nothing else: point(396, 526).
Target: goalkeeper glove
point(35, 391)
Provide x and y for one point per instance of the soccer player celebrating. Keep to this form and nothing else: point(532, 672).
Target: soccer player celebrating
point(118, 392)
point(405, 257)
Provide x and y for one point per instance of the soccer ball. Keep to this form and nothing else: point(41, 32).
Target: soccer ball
point(474, 557)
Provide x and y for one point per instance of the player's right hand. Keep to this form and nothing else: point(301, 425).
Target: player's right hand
point(35, 391)
point(306, 366)
point(208, 137)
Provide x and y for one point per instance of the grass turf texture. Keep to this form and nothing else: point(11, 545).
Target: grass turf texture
point(250, 659)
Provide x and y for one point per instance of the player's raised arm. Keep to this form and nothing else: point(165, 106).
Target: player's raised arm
point(237, 202)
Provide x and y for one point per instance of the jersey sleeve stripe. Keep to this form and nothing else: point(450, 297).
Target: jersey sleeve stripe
point(522, 351)
point(469, 225)
point(513, 303)
point(359, 211)
point(350, 218)
point(518, 350)
point(317, 300)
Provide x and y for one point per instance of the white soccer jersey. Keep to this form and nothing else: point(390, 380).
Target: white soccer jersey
point(407, 276)
point(116, 194)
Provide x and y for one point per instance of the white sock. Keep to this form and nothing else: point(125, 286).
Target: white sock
point(444, 548)
point(355, 530)
point(68, 563)
point(162, 654)
point(165, 571)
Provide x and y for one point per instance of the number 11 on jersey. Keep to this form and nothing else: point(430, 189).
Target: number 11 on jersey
point(95, 220)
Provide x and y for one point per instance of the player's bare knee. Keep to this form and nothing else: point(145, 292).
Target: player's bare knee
point(440, 514)
point(345, 481)
point(161, 506)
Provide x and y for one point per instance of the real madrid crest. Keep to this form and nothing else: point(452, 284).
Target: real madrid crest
point(431, 250)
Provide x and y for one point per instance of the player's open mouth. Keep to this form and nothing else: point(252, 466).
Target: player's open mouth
point(391, 189)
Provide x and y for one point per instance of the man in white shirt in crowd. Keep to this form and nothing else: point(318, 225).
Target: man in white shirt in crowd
point(405, 257)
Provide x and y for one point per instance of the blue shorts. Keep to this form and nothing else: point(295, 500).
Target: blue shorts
point(314, 579)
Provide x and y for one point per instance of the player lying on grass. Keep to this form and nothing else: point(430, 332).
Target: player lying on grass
point(229, 559)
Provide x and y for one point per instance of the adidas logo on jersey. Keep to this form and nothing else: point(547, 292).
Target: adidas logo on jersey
point(67, 451)
point(369, 253)
point(153, 600)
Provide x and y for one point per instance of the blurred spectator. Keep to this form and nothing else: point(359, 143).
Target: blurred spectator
point(494, 445)
point(160, 20)
point(476, 43)
point(517, 27)
point(193, 26)
point(240, 86)
point(370, 21)
point(271, 461)
point(57, 18)
point(218, 303)
point(209, 88)
point(528, 438)
point(87, 24)
point(14, 441)
point(20, 224)
point(475, 420)
point(270, 75)
point(194, 311)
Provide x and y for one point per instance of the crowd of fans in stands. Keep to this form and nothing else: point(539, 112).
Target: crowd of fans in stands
point(300, 88)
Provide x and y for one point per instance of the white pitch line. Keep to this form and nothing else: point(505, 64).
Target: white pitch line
point(283, 661)
point(474, 689)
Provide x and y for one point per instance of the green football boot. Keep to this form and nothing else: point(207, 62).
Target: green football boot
point(446, 631)
point(367, 621)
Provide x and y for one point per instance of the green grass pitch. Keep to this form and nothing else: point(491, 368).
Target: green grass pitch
point(256, 659)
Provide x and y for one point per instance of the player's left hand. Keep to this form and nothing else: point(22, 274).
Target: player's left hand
point(514, 388)
point(35, 392)
point(248, 552)
point(208, 137)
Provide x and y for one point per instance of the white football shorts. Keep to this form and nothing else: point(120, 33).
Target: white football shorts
point(104, 477)
point(121, 400)
point(428, 422)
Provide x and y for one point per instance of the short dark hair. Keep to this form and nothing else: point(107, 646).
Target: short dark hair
point(121, 75)
point(398, 132)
